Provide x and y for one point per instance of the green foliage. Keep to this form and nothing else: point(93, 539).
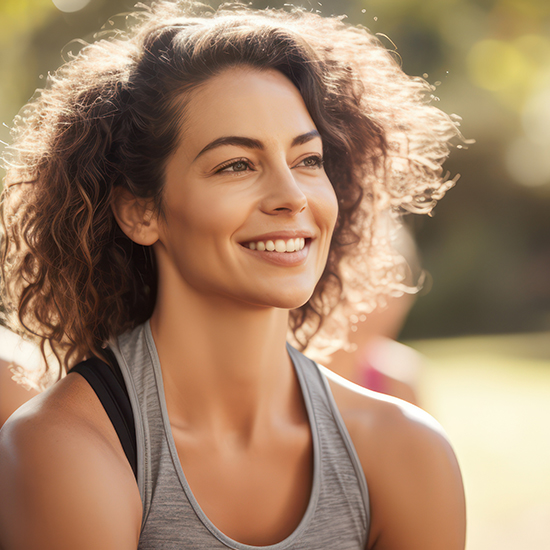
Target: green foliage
point(488, 246)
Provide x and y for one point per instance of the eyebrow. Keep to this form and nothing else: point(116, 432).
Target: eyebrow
point(250, 143)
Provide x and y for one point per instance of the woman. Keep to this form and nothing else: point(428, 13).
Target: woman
point(184, 194)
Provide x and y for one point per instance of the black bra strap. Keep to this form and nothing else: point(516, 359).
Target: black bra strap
point(108, 384)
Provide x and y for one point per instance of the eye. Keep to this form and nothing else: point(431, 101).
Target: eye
point(239, 165)
point(313, 161)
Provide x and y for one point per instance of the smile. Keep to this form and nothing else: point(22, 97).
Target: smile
point(278, 245)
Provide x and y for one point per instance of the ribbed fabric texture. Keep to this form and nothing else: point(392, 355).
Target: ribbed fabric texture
point(337, 516)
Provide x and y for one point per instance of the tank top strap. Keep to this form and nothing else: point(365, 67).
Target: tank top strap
point(107, 382)
point(331, 428)
point(133, 351)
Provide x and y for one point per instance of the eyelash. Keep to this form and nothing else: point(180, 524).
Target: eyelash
point(231, 163)
point(318, 163)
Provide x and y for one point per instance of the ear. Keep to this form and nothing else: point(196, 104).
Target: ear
point(136, 217)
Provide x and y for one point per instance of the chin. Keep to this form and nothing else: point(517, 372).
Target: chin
point(291, 300)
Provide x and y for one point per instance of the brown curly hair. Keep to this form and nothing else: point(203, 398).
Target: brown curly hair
point(111, 117)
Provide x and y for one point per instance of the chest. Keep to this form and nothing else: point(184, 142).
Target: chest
point(255, 494)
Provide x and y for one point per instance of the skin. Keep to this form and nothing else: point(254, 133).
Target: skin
point(220, 322)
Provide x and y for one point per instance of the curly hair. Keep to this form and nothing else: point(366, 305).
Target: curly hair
point(111, 117)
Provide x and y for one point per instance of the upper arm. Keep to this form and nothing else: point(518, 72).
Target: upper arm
point(63, 488)
point(415, 486)
point(416, 490)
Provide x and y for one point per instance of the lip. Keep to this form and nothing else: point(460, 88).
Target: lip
point(283, 259)
point(284, 235)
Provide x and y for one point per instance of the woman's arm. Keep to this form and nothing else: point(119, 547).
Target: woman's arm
point(415, 485)
point(64, 479)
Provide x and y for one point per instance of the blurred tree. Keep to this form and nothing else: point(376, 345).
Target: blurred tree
point(487, 247)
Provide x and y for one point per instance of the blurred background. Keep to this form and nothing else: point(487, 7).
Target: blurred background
point(483, 319)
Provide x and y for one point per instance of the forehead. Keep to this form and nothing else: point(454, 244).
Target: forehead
point(261, 104)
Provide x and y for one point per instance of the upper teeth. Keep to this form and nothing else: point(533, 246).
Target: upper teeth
point(279, 245)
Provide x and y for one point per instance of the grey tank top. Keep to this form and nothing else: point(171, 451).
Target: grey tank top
point(337, 516)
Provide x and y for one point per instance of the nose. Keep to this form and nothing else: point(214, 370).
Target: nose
point(283, 193)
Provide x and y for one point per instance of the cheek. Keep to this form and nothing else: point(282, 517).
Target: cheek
point(333, 206)
point(203, 217)
point(326, 207)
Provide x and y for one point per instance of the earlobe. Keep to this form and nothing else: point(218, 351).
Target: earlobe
point(136, 217)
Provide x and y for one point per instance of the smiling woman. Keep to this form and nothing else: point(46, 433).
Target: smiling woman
point(179, 200)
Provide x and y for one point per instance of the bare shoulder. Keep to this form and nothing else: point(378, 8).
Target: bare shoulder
point(415, 485)
point(392, 421)
point(63, 471)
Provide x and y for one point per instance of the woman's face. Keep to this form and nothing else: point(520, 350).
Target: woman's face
point(247, 176)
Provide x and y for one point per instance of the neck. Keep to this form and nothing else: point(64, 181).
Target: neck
point(224, 363)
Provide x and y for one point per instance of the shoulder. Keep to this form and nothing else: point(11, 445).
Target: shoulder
point(394, 422)
point(63, 471)
point(414, 481)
